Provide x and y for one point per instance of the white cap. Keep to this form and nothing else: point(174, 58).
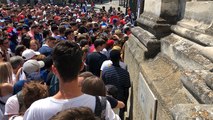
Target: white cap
point(31, 66)
point(78, 20)
point(29, 53)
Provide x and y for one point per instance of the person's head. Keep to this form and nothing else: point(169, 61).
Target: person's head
point(115, 57)
point(54, 29)
point(51, 41)
point(16, 63)
point(4, 43)
point(127, 30)
point(119, 9)
point(29, 54)
point(79, 113)
point(34, 28)
point(46, 33)
point(5, 72)
point(83, 42)
point(6, 89)
point(112, 90)
point(99, 44)
point(69, 34)
point(32, 69)
point(67, 60)
point(93, 86)
point(119, 33)
point(82, 76)
point(33, 91)
point(61, 29)
point(34, 45)
point(19, 50)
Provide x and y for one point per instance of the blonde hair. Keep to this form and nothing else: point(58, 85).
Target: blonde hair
point(5, 72)
point(33, 41)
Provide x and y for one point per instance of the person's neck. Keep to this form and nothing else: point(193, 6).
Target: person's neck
point(68, 90)
point(97, 50)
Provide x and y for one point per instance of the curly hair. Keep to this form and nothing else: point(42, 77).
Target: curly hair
point(33, 91)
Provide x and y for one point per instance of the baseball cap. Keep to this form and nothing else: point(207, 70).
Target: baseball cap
point(29, 53)
point(78, 20)
point(31, 66)
point(110, 42)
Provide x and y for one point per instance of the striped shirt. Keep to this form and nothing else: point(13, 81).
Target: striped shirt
point(118, 77)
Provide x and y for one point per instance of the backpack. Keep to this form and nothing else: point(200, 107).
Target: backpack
point(21, 102)
point(100, 107)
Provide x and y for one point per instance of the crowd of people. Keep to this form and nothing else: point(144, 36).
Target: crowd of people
point(63, 62)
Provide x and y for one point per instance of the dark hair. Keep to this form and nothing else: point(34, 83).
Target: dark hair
point(54, 27)
point(83, 42)
point(34, 26)
point(126, 30)
point(19, 49)
point(2, 39)
point(67, 58)
point(46, 33)
point(115, 57)
point(79, 113)
point(61, 29)
point(26, 41)
point(99, 42)
point(51, 38)
point(67, 32)
point(93, 86)
point(82, 29)
point(112, 90)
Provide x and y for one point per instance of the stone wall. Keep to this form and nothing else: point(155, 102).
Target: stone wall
point(173, 50)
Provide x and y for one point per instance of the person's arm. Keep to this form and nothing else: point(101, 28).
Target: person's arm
point(18, 74)
point(120, 104)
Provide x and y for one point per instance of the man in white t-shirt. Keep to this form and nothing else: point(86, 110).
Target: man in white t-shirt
point(67, 62)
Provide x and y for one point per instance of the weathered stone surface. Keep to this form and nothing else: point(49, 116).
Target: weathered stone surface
point(209, 80)
point(195, 83)
point(157, 26)
point(180, 72)
point(158, 15)
point(197, 24)
point(185, 53)
point(192, 112)
point(166, 9)
point(161, 74)
point(148, 40)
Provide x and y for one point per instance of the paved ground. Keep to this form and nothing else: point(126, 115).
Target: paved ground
point(107, 4)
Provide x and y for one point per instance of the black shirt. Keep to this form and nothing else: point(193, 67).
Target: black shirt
point(94, 61)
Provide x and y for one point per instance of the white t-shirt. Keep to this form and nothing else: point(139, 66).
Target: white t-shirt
point(44, 109)
point(16, 117)
point(4, 99)
point(12, 106)
point(108, 63)
point(1, 115)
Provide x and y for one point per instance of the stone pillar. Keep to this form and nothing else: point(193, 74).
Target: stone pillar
point(158, 15)
point(172, 48)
